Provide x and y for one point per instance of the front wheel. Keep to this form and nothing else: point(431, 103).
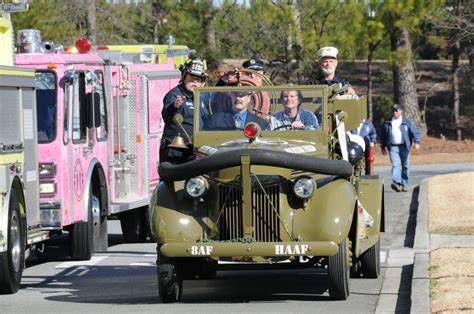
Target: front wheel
point(170, 279)
point(135, 225)
point(338, 273)
point(81, 236)
point(12, 261)
point(370, 261)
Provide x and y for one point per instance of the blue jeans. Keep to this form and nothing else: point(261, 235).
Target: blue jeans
point(400, 159)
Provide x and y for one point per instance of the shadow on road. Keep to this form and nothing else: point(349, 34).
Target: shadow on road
point(106, 285)
point(411, 223)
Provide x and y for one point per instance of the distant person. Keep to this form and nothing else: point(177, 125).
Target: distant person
point(180, 100)
point(237, 117)
point(255, 65)
point(366, 130)
point(398, 135)
point(328, 64)
point(293, 117)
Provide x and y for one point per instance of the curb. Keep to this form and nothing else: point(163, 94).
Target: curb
point(420, 284)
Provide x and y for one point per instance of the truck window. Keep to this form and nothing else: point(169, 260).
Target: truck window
point(99, 88)
point(79, 110)
point(46, 105)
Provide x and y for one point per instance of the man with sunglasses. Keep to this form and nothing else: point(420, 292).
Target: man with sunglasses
point(237, 117)
point(180, 100)
point(398, 135)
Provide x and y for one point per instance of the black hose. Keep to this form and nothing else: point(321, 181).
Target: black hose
point(265, 157)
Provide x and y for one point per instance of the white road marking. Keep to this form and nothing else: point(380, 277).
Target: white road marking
point(143, 264)
point(93, 261)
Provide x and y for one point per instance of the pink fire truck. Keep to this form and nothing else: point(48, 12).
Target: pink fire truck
point(99, 131)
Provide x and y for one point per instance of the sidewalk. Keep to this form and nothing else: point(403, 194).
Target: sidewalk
point(424, 243)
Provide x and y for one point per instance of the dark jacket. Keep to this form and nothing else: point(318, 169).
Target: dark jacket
point(367, 132)
point(323, 81)
point(409, 133)
point(186, 110)
point(225, 121)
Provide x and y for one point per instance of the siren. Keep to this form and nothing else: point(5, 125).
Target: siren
point(83, 45)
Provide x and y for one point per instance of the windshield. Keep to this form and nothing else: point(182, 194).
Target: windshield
point(279, 109)
point(46, 106)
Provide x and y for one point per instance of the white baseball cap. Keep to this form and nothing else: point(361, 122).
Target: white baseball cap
point(328, 52)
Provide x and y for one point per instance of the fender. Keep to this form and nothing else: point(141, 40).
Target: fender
point(329, 214)
point(173, 216)
point(87, 190)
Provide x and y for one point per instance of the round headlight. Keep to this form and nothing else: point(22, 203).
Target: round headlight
point(196, 187)
point(304, 187)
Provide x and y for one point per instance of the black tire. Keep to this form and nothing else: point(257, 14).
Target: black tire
point(100, 239)
point(338, 274)
point(81, 245)
point(355, 270)
point(12, 262)
point(170, 279)
point(370, 261)
point(135, 225)
point(199, 268)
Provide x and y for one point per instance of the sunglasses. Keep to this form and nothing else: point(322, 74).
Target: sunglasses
point(240, 94)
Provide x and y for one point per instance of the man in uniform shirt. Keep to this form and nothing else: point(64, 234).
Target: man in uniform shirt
point(398, 134)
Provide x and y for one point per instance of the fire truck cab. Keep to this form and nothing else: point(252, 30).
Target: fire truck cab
point(99, 129)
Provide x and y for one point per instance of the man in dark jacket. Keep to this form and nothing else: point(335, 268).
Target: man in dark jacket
point(398, 134)
point(237, 117)
point(179, 100)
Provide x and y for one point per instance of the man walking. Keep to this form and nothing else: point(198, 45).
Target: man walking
point(397, 136)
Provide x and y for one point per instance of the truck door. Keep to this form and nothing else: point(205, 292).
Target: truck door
point(89, 135)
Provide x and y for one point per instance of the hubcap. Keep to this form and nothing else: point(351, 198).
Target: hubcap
point(15, 242)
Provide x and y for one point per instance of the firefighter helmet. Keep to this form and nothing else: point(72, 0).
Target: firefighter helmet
point(194, 66)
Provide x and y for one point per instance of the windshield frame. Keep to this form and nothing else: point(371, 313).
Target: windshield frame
point(206, 137)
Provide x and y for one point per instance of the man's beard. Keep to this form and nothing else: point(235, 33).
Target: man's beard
point(328, 70)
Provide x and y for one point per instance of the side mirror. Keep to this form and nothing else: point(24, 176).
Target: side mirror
point(91, 78)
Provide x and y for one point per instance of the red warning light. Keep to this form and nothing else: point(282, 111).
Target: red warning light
point(83, 45)
point(251, 130)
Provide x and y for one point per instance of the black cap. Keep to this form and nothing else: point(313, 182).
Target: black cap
point(253, 64)
point(396, 107)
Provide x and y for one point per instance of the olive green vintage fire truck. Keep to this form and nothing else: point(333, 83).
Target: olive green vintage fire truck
point(269, 190)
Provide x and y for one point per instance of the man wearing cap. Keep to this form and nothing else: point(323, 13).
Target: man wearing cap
point(180, 100)
point(398, 134)
point(255, 65)
point(237, 117)
point(328, 64)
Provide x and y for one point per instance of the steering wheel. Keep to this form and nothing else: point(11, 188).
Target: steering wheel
point(288, 126)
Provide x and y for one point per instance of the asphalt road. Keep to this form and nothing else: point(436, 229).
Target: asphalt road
point(124, 278)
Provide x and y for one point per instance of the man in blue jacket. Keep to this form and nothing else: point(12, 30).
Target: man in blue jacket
point(398, 134)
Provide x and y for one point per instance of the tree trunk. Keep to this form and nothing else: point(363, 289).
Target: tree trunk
point(156, 18)
point(298, 48)
point(404, 77)
point(91, 21)
point(369, 84)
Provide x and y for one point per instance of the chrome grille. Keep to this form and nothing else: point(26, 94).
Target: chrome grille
point(264, 216)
